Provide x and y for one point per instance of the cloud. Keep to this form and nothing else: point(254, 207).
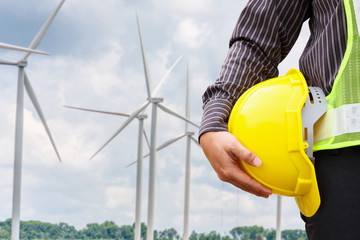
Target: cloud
point(190, 34)
point(187, 6)
point(119, 197)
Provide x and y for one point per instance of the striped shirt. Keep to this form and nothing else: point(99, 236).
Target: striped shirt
point(263, 36)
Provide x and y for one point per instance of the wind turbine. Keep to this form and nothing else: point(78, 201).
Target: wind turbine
point(189, 137)
point(141, 118)
point(156, 103)
point(23, 81)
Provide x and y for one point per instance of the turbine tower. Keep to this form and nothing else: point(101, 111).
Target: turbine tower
point(189, 138)
point(278, 218)
point(156, 103)
point(24, 82)
point(141, 118)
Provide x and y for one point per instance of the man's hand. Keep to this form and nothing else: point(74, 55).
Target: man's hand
point(224, 153)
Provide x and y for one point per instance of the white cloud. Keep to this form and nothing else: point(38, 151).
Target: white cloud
point(184, 7)
point(119, 197)
point(191, 34)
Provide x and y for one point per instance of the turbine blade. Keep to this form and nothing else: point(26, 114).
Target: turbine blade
point(166, 109)
point(146, 138)
point(132, 163)
point(98, 111)
point(146, 68)
point(165, 77)
point(17, 48)
point(171, 141)
point(187, 102)
point(36, 104)
point(164, 145)
point(6, 62)
point(39, 36)
point(127, 122)
point(195, 141)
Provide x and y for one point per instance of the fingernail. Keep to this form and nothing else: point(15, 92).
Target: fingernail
point(257, 162)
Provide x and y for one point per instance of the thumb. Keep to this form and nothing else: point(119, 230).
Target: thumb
point(241, 153)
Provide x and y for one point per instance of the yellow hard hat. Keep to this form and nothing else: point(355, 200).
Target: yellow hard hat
point(268, 119)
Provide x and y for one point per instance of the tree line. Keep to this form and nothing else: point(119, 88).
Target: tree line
point(109, 230)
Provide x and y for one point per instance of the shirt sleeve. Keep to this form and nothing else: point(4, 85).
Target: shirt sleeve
point(263, 36)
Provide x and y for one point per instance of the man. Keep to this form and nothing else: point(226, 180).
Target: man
point(263, 36)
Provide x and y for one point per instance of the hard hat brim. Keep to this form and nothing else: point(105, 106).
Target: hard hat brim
point(309, 204)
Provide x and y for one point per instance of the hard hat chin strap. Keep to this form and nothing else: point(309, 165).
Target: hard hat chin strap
point(315, 106)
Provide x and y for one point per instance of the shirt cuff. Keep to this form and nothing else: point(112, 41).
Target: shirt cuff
point(215, 116)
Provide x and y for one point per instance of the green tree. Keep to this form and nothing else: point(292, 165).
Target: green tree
point(247, 233)
point(111, 230)
point(293, 235)
point(5, 229)
point(33, 230)
point(126, 232)
point(194, 236)
point(93, 231)
point(213, 235)
point(227, 237)
point(169, 234)
point(270, 234)
point(143, 230)
point(68, 232)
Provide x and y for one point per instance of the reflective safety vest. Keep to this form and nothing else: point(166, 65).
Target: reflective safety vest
point(339, 127)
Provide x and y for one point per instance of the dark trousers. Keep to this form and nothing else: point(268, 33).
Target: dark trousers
point(338, 176)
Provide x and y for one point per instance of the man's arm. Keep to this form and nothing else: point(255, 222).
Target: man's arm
point(263, 36)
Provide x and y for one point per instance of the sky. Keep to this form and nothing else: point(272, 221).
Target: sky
point(96, 63)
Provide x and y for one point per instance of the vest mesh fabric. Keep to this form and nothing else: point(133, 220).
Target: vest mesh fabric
point(346, 89)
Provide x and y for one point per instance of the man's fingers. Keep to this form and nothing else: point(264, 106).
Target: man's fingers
point(240, 153)
point(248, 184)
point(238, 177)
point(225, 153)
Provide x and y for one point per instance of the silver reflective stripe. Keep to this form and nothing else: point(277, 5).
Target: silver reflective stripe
point(315, 106)
point(338, 121)
point(357, 13)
